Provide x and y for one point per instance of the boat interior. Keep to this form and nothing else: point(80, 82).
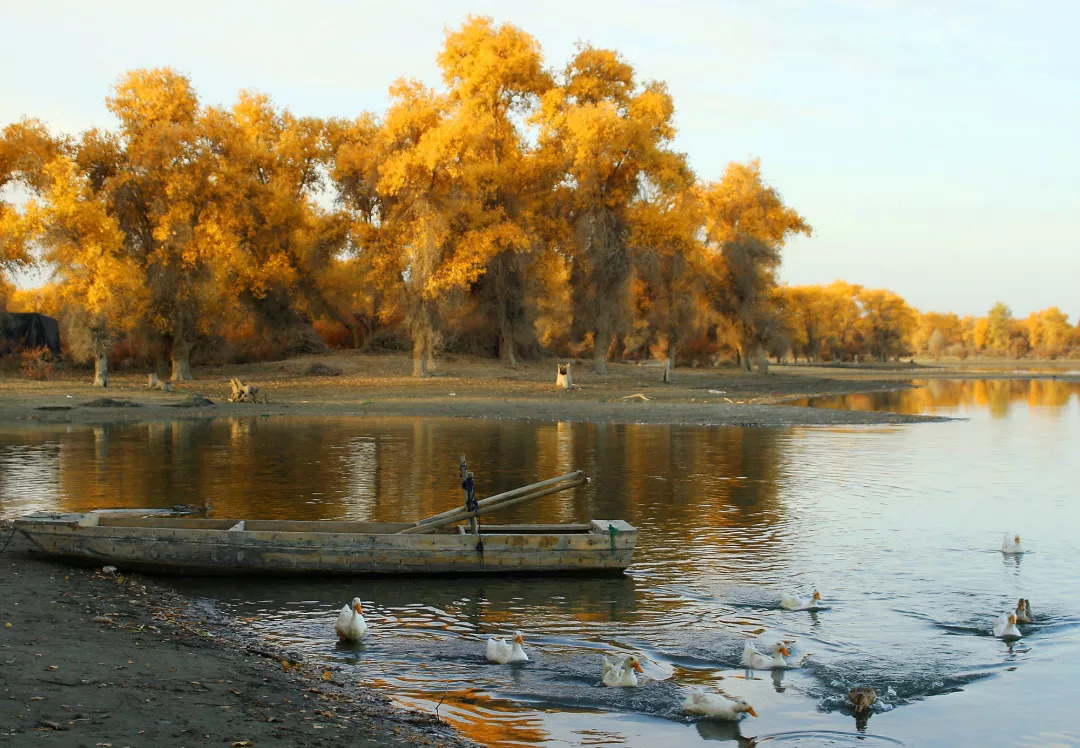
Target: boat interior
point(330, 526)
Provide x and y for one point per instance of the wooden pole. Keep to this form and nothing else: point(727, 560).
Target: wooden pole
point(505, 495)
point(460, 515)
point(468, 485)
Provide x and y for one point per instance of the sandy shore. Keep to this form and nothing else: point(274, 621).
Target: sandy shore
point(95, 660)
point(380, 385)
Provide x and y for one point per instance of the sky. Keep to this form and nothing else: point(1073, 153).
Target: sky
point(932, 145)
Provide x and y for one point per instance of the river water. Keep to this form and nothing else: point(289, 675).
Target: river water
point(898, 527)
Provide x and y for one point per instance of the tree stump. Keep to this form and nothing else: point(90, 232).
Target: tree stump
point(562, 377)
point(244, 393)
point(154, 383)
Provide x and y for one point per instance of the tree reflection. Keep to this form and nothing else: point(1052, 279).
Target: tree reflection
point(941, 395)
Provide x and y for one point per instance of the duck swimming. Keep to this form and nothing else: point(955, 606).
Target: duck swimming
point(862, 698)
point(351, 625)
point(1023, 611)
point(501, 651)
point(716, 705)
point(1006, 629)
point(1011, 545)
point(616, 673)
point(755, 660)
point(797, 602)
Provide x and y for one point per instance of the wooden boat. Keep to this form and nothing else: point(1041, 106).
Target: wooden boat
point(183, 545)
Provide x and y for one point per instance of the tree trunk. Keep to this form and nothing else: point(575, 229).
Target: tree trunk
point(180, 350)
point(101, 370)
point(761, 360)
point(669, 367)
point(601, 344)
point(181, 363)
point(744, 358)
point(506, 343)
point(420, 355)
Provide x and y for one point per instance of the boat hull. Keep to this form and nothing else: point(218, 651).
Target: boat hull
point(268, 547)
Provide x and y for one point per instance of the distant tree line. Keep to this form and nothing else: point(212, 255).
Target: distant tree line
point(846, 322)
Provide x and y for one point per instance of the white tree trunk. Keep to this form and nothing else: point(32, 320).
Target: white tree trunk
point(101, 370)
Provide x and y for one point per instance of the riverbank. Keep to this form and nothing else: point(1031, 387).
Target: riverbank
point(96, 659)
point(347, 383)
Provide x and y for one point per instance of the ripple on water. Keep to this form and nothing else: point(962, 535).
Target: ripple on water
point(824, 738)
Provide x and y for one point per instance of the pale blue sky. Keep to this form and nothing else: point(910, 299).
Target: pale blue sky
point(932, 145)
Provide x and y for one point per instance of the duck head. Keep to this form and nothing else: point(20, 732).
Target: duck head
point(780, 649)
point(1016, 539)
point(817, 596)
point(634, 662)
point(742, 706)
point(518, 638)
point(357, 605)
point(1012, 619)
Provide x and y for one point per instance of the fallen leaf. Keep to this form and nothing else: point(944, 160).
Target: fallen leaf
point(37, 698)
point(324, 713)
point(7, 625)
point(327, 674)
point(53, 667)
point(242, 743)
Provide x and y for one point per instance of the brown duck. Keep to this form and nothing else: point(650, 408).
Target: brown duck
point(862, 697)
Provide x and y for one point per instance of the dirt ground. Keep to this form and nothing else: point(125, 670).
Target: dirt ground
point(380, 385)
point(89, 659)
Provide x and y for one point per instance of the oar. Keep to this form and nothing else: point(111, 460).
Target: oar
point(503, 496)
point(459, 514)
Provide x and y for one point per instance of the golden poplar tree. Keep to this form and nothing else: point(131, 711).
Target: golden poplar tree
point(495, 78)
point(746, 226)
point(888, 323)
point(100, 286)
point(605, 133)
point(668, 260)
point(25, 149)
point(171, 195)
point(285, 241)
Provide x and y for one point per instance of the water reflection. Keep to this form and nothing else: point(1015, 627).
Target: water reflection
point(396, 469)
point(953, 395)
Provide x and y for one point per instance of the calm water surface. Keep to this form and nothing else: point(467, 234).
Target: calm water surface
point(897, 527)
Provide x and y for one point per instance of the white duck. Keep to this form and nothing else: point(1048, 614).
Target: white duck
point(1006, 628)
point(351, 625)
point(798, 602)
point(501, 651)
point(1023, 611)
point(1011, 545)
point(716, 705)
point(755, 660)
point(621, 673)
